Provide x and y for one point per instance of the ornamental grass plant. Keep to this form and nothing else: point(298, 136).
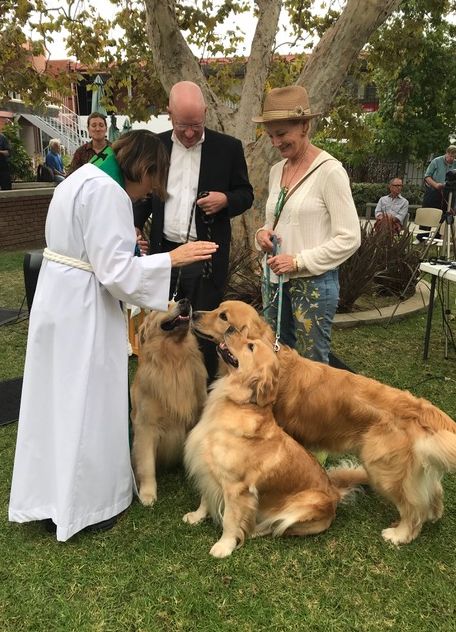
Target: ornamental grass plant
point(384, 264)
point(153, 573)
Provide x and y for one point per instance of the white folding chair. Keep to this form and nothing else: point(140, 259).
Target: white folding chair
point(431, 217)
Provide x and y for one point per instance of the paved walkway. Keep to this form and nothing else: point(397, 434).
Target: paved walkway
point(416, 303)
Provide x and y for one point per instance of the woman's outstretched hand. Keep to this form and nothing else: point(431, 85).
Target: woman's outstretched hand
point(192, 252)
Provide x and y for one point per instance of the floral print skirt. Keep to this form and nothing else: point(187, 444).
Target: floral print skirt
point(309, 305)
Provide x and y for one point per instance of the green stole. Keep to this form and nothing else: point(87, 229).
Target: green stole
point(112, 168)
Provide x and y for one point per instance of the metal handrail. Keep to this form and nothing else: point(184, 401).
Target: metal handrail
point(66, 126)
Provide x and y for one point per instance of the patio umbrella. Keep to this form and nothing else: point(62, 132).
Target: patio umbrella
point(126, 126)
point(97, 95)
point(114, 131)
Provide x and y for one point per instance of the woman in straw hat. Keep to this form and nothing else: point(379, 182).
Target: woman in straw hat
point(310, 210)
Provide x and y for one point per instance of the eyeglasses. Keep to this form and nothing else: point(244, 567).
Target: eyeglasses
point(195, 127)
point(396, 185)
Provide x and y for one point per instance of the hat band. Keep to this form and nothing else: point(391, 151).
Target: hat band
point(286, 114)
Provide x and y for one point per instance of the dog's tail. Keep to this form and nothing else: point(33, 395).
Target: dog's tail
point(438, 450)
point(347, 477)
point(436, 446)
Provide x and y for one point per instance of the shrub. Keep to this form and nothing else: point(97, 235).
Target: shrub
point(244, 276)
point(20, 162)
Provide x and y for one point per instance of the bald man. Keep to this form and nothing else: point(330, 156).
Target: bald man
point(208, 184)
point(392, 209)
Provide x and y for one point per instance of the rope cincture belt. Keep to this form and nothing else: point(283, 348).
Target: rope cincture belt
point(71, 262)
point(68, 261)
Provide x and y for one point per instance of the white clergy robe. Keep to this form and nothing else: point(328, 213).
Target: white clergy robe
point(72, 461)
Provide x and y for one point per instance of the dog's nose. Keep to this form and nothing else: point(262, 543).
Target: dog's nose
point(231, 330)
point(184, 302)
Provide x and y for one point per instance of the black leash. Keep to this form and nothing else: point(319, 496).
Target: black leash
point(207, 266)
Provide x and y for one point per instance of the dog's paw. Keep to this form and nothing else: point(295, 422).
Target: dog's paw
point(396, 536)
point(193, 517)
point(223, 548)
point(147, 497)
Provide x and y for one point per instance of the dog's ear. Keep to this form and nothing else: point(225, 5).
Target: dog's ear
point(244, 331)
point(142, 333)
point(266, 385)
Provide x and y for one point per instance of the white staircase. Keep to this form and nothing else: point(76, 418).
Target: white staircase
point(65, 126)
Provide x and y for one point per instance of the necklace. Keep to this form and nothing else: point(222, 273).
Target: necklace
point(286, 186)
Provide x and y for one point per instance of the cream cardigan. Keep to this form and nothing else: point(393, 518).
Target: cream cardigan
point(319, 224)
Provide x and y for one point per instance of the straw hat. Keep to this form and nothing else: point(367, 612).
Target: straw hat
point(283, 104)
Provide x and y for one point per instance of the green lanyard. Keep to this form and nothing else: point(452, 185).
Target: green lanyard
point(279, 205)
point(267, 271)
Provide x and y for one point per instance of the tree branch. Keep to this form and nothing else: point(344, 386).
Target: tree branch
point(328, 65)
point(257, 67)
point(174, 61)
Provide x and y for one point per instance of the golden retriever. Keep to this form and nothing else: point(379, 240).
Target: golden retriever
point(167, 394)
point(404, 442)
point(247, 467)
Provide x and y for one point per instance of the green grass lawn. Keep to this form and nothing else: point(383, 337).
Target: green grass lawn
point(153, 573)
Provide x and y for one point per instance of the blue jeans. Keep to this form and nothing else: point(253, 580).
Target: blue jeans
point(308, 309)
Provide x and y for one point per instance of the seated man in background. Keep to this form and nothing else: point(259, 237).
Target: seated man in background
point(391, 209)
point(54, 160)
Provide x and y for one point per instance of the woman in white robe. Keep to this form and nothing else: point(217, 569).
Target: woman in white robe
point(72, 462)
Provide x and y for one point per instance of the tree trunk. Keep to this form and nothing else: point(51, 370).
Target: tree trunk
point(328, 65)
point(257, 68)
point(323, 75)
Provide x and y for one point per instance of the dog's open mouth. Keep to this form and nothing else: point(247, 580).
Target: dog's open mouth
point(180, 317)
point(227, 356)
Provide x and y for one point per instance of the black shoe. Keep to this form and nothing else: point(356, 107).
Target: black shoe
point(104, 525)
point(49, 525)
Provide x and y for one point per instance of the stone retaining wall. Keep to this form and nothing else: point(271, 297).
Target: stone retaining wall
point(23, 216)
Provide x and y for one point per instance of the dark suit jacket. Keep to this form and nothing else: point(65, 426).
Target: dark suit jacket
point(223, 168)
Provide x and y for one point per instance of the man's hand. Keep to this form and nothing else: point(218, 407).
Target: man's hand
point(213, 202)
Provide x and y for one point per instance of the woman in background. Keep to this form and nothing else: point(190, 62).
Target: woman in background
point(97, 129)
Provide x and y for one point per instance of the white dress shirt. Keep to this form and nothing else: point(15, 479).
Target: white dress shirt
point(182, 189)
